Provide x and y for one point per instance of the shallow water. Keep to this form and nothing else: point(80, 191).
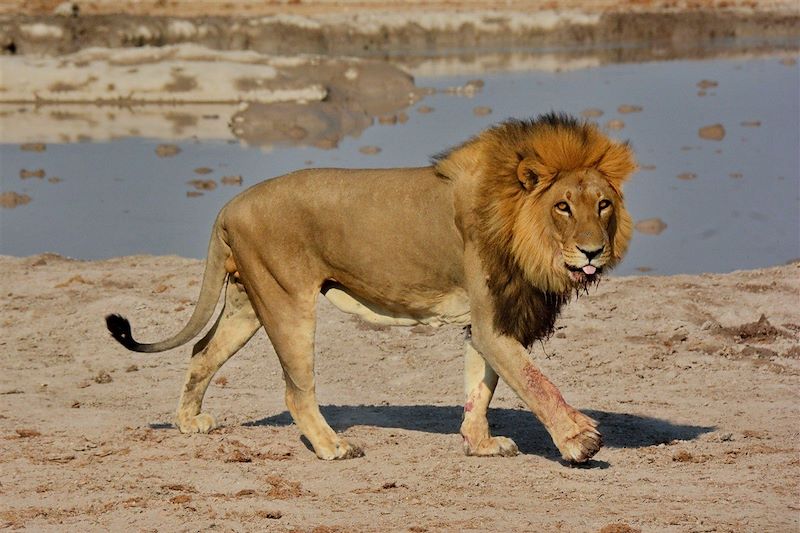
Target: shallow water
point(741, 210)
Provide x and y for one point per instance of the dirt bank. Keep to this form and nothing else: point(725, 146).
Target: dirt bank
point(697, 397)
point(382, 28)
point(247, 8)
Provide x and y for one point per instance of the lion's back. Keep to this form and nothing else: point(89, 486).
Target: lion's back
point(357, 221)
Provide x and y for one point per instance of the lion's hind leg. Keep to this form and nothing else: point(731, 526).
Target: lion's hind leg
point(235, 326)
point(290, 322)
point(480, 381)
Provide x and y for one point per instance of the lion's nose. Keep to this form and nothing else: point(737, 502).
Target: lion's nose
point(591, 254)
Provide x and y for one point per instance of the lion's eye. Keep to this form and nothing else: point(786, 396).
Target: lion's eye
point(563, 207)
point(604, 204)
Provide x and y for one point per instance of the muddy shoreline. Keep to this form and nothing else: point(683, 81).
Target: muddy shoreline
point(632, 35)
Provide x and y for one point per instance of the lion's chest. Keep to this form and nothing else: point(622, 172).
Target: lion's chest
point(451, 308)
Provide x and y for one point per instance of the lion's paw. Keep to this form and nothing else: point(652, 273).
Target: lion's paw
point(583, 442)
point(340, 450)
point(202, 423)
point(492, 447)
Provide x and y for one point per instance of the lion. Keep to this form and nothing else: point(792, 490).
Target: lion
point(496, 234)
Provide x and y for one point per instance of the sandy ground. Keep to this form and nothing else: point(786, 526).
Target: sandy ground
point(698, 403)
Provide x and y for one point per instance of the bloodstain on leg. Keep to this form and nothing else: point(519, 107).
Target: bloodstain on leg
point(543, 389)
point(475, 397)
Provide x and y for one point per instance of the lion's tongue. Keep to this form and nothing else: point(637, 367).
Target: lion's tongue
point(589, 269)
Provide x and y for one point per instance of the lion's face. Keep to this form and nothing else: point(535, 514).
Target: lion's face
point(548, 202)
point(572, 231)
point(582, 208)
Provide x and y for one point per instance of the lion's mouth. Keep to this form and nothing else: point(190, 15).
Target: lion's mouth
point(585, 273)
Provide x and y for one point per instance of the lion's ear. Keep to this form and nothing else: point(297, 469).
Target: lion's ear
point(526, 174)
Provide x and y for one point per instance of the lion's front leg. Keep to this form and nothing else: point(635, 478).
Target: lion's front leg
point(480, 381)
point(574, 433)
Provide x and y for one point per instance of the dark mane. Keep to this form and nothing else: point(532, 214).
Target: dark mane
point(521, 310)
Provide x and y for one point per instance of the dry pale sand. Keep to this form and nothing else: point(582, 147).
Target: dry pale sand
point(697, 401)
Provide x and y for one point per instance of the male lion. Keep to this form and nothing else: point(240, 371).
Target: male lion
point(496, 234)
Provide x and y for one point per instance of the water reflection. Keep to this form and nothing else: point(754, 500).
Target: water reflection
point(740, 209)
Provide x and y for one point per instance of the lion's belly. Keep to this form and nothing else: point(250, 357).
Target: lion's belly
point(451, 308)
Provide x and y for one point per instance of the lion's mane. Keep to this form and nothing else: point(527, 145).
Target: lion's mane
point(511, 226)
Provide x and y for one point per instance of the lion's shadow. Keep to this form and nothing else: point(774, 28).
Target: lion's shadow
point(620, 430)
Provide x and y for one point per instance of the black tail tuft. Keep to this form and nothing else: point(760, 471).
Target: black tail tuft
point(120, 329)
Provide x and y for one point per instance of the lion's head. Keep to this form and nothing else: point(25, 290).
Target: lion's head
point(549, 212)
point(568, 233)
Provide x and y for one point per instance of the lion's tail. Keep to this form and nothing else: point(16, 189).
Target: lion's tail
point(213, 281)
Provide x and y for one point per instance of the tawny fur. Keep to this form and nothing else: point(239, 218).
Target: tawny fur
point(476, 239)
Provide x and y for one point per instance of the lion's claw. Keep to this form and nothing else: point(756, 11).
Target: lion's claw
point(342, 450)
point(352, 452)
point(582, 447)
point(584, 441)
